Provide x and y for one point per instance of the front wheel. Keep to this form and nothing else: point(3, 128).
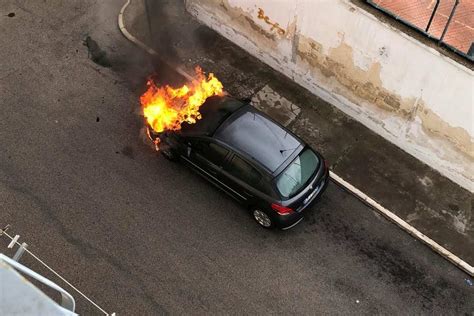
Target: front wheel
point(262, 218)
point(169, 153)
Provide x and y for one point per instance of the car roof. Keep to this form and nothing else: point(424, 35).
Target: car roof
point(214, 111)
point(250, 132)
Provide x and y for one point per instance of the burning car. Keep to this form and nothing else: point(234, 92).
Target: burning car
point(249, 156)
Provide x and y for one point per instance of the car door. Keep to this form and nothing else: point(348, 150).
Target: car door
point(245, 180)
point(207, 157)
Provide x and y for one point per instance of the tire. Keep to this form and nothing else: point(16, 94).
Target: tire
point(169, 153)
point(262, 218)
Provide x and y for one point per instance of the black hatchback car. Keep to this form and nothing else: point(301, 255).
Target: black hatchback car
point(252, 158)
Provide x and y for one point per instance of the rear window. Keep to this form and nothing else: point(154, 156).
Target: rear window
point(297, 174)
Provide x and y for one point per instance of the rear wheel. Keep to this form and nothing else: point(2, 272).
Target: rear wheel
point(262, 218)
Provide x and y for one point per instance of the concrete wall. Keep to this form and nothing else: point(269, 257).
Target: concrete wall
point(407, 92)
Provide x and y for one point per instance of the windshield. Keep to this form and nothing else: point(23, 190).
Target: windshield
point(297, 174)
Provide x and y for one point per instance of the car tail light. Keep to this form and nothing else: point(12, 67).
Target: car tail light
point(282, 210)
point(326, 164)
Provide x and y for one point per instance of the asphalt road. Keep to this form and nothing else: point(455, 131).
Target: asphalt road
point(143, 236)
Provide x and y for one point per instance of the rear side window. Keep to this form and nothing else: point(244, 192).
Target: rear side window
point(242, 170)
point(297, 174)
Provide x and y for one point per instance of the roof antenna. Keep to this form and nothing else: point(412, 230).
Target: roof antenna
point(283, 150)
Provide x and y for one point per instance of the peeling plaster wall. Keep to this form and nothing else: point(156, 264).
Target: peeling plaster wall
point(403, 90)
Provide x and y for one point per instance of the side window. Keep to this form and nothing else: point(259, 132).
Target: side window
point(244, 171)
point(216, 153)
point(210, 151)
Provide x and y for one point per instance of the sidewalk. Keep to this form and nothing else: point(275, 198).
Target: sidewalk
point(416, 193)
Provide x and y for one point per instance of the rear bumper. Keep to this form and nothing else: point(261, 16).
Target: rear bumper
point(288, 221)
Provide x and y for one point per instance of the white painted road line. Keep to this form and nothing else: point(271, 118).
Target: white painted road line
point(346, 185)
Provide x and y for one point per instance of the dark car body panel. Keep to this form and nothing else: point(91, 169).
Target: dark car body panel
point(239, 136)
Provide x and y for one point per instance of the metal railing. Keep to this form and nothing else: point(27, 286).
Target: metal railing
point(67, 300)
point(448, 22)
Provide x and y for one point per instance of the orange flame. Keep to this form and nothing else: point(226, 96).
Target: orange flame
point(166, 108)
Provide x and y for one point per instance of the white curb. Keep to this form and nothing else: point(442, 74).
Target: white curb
point(140, 44)
point(346, 185)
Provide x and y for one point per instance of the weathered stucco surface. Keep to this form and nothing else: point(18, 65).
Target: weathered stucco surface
point(433, 123)
point(367, 85)
point(243, 22)
point(359, 83)
point(399, 88)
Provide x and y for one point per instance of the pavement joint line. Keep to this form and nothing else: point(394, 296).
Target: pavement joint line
point(458, 262)
point(343, 154)
point(55, 273)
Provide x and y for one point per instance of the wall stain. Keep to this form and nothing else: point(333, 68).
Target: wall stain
point(433, 124)
point(275, 26)
point(258, 29)
point(367, 85)
point(238, 19)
